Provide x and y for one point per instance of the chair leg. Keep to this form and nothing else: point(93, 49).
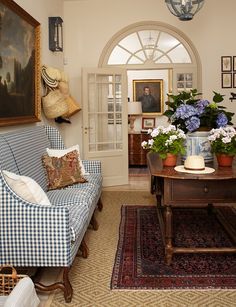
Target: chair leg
point(64, 285)
point(100, 204)
point(84, 249)
point(94, 222)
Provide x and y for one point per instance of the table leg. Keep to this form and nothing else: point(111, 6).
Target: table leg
point(168, 235)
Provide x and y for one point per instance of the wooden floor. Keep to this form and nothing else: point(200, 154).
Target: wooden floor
point(139, 179)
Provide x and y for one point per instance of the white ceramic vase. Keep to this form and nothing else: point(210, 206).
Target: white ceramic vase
point(198, 144)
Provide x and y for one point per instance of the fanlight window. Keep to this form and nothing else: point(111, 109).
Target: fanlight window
point(149, 45)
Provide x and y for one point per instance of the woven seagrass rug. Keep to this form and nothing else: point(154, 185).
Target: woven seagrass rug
point(139, 261)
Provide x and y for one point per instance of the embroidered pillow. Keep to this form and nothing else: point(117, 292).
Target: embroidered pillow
point(64, 171)
point(61, 152)
point(27, 188)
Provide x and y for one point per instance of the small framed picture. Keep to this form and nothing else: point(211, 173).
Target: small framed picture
point(234, 63)
point(226, 80)
point(148, 123)
point(234, 79)
point(180, 77)
point(189, 77)
point(226, 63)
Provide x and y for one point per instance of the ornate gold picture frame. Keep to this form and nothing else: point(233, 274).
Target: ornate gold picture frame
point(19, 66)
point(150, 93)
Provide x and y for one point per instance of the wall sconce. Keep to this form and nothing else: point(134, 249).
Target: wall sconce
point(134, 109)
point(55, 33)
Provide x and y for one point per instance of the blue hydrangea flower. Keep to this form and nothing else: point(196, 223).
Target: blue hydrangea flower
point(221, 120)
point(201, 105)
point(193, 123)
point(185, 111)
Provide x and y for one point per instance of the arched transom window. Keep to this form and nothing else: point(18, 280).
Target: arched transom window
point(144, 46)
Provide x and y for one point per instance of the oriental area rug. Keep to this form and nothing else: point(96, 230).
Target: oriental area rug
point(139, 262)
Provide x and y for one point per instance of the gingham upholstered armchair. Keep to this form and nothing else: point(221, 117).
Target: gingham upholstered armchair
point(33, 235)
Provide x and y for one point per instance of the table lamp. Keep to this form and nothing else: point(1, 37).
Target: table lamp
point(134, 109)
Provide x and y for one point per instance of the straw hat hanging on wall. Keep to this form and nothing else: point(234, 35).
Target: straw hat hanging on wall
point(54, 104)
point(58, 98)
point(73, 106)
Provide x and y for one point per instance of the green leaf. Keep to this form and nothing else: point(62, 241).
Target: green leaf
point(218, 97)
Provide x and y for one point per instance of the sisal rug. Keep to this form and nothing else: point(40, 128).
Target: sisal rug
point(139, 261)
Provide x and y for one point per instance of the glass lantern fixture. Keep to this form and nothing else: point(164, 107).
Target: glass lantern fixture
point(55, 33)
point(184, 9)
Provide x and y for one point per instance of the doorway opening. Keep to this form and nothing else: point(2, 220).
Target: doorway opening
point(153, 50)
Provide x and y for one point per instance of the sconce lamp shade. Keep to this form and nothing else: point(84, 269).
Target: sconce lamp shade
point(55, 33)
point(184, 9)
point(135, 108)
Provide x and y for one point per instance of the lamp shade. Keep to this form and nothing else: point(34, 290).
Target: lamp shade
point(184, 9)
point(135, 108)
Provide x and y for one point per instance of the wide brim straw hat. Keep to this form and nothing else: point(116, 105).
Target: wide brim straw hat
point(194, 164)
point(54, 104)
point(53, 73)
point(48, 77)
point(73, 106)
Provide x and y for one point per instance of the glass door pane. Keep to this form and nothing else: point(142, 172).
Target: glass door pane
point(105, 112)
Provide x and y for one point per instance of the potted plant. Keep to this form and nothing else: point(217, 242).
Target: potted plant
point(197, 117)
point(190, 113)
point(168, 142)
point(223, 144)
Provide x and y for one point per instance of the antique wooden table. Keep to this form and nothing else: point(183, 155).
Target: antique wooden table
point(175, 189)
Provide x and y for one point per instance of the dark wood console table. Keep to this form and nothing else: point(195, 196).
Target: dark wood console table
point(175, 189)
point(137, 155)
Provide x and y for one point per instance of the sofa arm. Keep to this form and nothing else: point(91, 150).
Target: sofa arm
point(92, 166)
point(31, 234)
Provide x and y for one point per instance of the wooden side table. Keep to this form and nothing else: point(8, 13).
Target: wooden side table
point(174, 189)
point(137, 155)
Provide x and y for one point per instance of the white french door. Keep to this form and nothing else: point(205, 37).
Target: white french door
point(105, 122)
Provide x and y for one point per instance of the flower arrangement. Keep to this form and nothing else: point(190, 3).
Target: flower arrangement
point(189, 113)
point(223, 140)
point(166, 140)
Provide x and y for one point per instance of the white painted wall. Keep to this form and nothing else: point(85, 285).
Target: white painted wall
point(41, 10)
point(90, 24)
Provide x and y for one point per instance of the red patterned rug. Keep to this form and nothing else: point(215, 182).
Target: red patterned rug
point(139, 262)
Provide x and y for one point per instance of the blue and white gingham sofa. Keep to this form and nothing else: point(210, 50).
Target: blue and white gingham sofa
point(33, 235)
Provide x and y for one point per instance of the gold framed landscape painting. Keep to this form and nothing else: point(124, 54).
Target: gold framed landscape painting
point(19, 66)
point(148, 123)
point(150, 93)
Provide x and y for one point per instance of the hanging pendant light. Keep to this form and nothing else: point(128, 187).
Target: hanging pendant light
point(184, 9)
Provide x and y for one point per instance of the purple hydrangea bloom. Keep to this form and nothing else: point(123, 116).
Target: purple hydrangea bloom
point(201, 105)
point(193, 123)
point(185, 111)
point(221, 120)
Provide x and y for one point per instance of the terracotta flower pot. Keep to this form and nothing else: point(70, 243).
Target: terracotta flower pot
point(170, 160)
point(224, 160)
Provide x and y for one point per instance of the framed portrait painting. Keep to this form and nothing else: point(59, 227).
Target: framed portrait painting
point(19, 66)
point(150, 93)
